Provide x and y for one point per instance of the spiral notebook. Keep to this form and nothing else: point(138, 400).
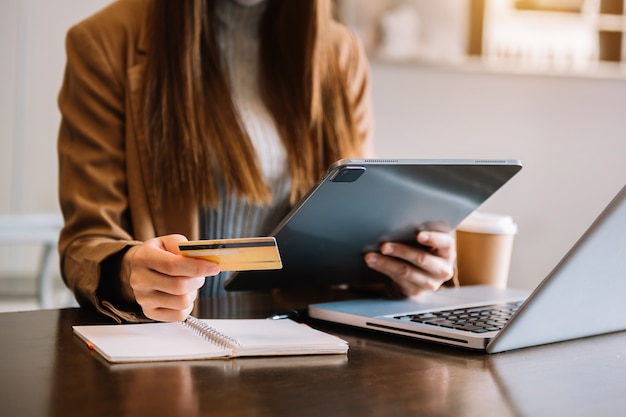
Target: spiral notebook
point(197, 339)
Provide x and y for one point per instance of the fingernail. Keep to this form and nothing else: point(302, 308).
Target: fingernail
point(423, 237)
point(387, 249)
point(371, 259)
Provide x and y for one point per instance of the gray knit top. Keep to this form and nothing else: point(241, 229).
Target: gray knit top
point(237, 34)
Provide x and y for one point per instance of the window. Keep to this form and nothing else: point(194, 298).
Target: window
point(572, 35)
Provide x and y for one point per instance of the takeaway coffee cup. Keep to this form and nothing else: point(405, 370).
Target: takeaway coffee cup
point(484, 248)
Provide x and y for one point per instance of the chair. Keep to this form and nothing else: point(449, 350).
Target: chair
point(40, 228)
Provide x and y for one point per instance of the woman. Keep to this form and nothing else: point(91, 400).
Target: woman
point(204, 119)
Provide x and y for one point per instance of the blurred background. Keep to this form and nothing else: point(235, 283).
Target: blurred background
point(543, 81)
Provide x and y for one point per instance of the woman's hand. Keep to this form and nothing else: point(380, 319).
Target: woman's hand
point(413, 269)
point(161, 280)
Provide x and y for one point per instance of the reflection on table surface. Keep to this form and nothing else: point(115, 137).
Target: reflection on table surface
point(48, 371)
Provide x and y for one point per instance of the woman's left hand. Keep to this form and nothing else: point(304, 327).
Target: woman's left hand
point(413, 269)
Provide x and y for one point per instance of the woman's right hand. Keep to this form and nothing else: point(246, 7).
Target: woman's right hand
point(164, 282)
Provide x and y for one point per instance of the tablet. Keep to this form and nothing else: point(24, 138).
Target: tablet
point(359, 204)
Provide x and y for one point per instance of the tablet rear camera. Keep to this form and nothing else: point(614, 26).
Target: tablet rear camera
point(348, 174)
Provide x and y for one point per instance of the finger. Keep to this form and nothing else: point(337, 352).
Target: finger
point(174, 286)
point(164, 314)
point(147, 274)
point(433, 265)
point(409, 278)
point(156, 299)
point(157, 254)
point(170, 242)
point(162, 306)
point(443, 244)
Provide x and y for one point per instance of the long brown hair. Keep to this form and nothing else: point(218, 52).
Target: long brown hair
point(191, 119)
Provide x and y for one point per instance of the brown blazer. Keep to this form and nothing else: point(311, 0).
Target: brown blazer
point(104, 171)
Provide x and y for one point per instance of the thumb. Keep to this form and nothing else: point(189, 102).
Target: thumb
point(170, 242)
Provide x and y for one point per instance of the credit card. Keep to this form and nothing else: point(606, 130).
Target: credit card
point(240, 254)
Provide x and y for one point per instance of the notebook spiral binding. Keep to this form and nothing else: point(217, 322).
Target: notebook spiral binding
point(209, 333)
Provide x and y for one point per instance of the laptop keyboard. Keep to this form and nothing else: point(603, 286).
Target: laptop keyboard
point(481, 319)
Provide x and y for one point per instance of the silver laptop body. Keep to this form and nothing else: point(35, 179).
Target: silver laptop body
point(584, 295)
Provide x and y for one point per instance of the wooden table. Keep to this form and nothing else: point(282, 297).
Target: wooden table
point(46, 371)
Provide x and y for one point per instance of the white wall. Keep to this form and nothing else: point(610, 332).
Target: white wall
point(32, 34)
point(33, 53)
point(569, 132)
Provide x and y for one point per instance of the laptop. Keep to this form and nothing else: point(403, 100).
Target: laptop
point(584, 295)
point(360, 203)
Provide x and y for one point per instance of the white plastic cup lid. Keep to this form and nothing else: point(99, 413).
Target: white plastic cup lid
point(478, 222)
